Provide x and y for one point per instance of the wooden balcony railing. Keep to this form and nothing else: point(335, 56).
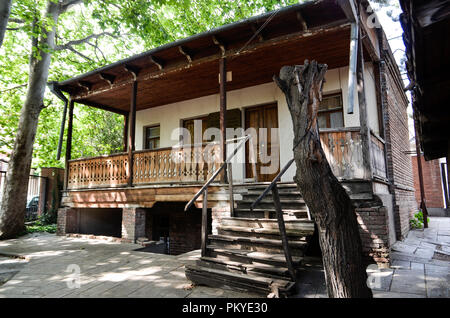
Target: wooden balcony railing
point(342, 147)
point(187, 164)
point(104, 171)
point(377, 145)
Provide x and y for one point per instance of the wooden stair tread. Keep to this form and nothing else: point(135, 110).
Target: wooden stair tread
point(261, 281)
point(262, 230)
point(254, 255)
point(253, 268)
point(285, 211)
point(264, 220)
point(244, 239)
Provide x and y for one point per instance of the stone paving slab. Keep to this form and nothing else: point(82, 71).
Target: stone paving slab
point(106, 269)
point(111, 269)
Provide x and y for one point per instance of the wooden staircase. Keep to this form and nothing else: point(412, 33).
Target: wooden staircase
point(247, 252)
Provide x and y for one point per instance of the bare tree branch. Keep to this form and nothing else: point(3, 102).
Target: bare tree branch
point(67, 3)
point(70, 48)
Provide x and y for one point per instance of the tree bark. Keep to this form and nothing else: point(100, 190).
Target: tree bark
point(5, 9)
point(12, 212)
point(329, 204)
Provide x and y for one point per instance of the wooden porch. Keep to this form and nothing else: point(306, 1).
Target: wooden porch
point(176, 174)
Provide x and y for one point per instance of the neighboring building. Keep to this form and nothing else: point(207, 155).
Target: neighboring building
point(426, 25)
point(433, 181)
point(169, 87)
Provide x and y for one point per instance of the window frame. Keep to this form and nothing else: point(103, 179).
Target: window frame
point(146, 139)
point(328, 112)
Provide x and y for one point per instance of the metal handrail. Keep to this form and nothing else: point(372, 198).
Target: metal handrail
point(211, 179)
point(271, 185)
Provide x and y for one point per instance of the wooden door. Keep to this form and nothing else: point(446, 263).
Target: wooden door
point(263, 117)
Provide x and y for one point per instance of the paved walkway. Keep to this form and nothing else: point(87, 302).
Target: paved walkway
point(76, 267)
point(420, 264)
point(106, 269)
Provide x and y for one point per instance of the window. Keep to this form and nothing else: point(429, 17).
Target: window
point(330, 112)
point(152, 137)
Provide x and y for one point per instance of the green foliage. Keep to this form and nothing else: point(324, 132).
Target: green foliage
point(39, 226)
point(129, 27)
point(417, 221)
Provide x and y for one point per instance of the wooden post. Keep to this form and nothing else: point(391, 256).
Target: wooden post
point(68, 145)
point(445, 185)
point(363, 119)
point(230, 187)
point(223, 110)
point(423, 204)
point(204, 222)
point(282, 227)
point(132, 135)
point(126, 121)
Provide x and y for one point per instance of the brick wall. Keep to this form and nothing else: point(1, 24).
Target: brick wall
point(133, 224)
point(397, 144)
point(432, 182)
point(67, 221)
point(185, 231)
point(374, 231)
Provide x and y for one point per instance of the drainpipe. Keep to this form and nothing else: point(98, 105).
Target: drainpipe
point(53, 86)
point(352, 67)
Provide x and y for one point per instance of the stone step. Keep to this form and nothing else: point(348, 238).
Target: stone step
point(203, 275)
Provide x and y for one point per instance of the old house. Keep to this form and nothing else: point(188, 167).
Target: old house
point(220, 81)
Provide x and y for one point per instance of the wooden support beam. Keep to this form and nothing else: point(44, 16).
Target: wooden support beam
point(363, 115)
point(158, 62)
point(68, 144)
point(126, 119)
point(186, 52)
point(85, 85)
point(204, 223)
point(107, 77)
point(302, 21)
point(133, 70)
point(132, 135)
point(220, 44)
point(223, 109)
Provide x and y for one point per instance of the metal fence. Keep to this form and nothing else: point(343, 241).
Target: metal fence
point(33, 195)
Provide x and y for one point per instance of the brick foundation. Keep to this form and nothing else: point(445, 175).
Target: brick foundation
point(133, 224)
point(399, 166)
point(185, 232)
point(68, 221)
point(374, 231)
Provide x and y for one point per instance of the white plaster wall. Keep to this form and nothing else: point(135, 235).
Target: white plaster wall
point(169, 116)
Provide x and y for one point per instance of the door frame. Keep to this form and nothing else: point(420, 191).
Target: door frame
point(244, 113)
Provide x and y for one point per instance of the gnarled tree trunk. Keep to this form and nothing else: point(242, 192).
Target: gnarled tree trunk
point(327, 200)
